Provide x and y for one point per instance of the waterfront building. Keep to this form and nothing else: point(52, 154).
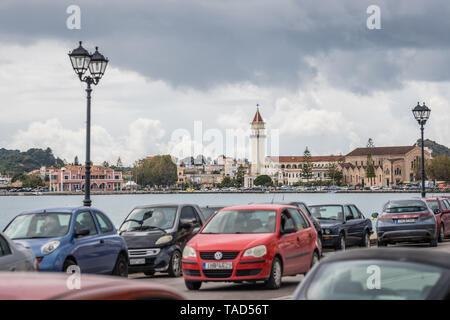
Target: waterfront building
point(72, 178)
point(393, 165)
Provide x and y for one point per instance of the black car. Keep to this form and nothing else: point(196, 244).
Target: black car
point(313, 219)
point(379, 274)
point(406, 221)
point(156, 236)
point(342, 225)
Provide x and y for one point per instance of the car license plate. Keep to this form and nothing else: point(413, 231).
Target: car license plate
point(217, 265)
point(399, 221)
point(137, 261)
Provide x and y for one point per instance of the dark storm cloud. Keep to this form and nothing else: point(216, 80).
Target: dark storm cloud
point(202, 44)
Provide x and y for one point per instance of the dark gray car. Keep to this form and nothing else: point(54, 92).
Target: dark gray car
point(378, 274)
point(406, 221)
point(156, 236)
point(15, 256)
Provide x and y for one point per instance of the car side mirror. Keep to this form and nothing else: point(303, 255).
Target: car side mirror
point(375, 215)
point(437, 211)
point(187, 223)
point(82, 233)
point(287, 231)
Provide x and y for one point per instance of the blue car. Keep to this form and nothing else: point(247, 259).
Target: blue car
point(63, 237)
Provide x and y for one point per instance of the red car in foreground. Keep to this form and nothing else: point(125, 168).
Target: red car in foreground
point(62, 286)
point(251, 243)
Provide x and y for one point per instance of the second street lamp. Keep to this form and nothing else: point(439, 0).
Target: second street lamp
point(422, 114)
point(81, 61)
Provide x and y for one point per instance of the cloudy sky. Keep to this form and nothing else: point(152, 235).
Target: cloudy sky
point(322, 78)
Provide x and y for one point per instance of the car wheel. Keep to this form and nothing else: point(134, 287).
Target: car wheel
point(441, 234)
point(276, 274)
point(366, 240)
point(121, 267)
point(319, 244)
point(341, 242)
point(67, 264)
point(193, 285)
point(433, 243)
point(175, 264)
point(382, 243)
point(149, 273)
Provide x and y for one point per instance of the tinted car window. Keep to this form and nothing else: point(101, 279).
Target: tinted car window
point(104, 223)
point(187, 213)
point(148, 218)
point(286, 221)
point(300, 222)
point(348, 213)
point(356, 213)
point(84, 221)
point(304, 208)
point(348, 280)
point(39, 225)
point(446, 204)
point(433, 204)
point(403, 206)
point(4, 247)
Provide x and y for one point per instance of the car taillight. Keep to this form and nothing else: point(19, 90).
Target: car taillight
point(428, 214)
point(384, 216)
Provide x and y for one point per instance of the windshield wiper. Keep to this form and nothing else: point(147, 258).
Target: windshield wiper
point(149, 227)
point(135, 220)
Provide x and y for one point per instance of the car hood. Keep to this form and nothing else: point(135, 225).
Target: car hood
point(329, 223)
point(142, 239)
point(35, 244)
point(231, 242)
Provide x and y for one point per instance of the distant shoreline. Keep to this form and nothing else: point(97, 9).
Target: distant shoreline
point(13, 194)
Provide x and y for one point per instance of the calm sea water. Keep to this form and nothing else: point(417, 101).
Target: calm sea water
point(118, 206)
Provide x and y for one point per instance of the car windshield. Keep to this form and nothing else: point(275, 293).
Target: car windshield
point(39, 225)
point(208, 212)
point(242, 221)
point(143, 219)
point(405, 206)
point(330, 212)
point(373, 280)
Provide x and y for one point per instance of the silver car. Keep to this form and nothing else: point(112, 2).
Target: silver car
point(16, 256)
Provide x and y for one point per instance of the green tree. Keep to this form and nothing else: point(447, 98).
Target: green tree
point(263, 180)
point(307, 168)
point(240, 176)
point(227, 182)
point(438, 168)
point(334, 173)
point(157, 171)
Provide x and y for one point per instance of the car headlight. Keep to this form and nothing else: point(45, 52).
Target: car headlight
point(327, 231)
point(256, 252)
point(49, 247)
point(164, 239)
point(189, 252)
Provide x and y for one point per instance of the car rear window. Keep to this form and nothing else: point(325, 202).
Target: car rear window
point(373, 280)
point(405, 206)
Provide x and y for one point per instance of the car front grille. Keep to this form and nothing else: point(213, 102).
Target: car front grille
point(230, 255)
point(217, 273)
point(133, 253)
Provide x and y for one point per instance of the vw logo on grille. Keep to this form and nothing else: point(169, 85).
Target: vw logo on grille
point(218, 255)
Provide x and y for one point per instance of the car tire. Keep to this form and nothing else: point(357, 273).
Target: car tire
point(433, 243)
point(276, 273)
point(315, 260)
point(341, 243)
point(149, 273)
point(193, 285)
point(381, 243)
point(69, 262)
point(175, 265)
point(320, 244)
point(441, 233)
point(366, 240)
point(121, 266)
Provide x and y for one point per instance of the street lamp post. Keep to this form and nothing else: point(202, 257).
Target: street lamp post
point(81, 61)
point(422, 114)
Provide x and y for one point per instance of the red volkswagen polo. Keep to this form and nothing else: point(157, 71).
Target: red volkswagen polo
point(251, 243)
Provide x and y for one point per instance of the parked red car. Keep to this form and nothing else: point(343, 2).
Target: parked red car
point(60, 286)
point(441, 209)
point(251, 243)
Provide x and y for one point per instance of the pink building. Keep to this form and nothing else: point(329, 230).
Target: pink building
point(72, 178)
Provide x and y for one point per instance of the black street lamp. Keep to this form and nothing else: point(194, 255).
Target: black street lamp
point(422, 114)
point(82, 60)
